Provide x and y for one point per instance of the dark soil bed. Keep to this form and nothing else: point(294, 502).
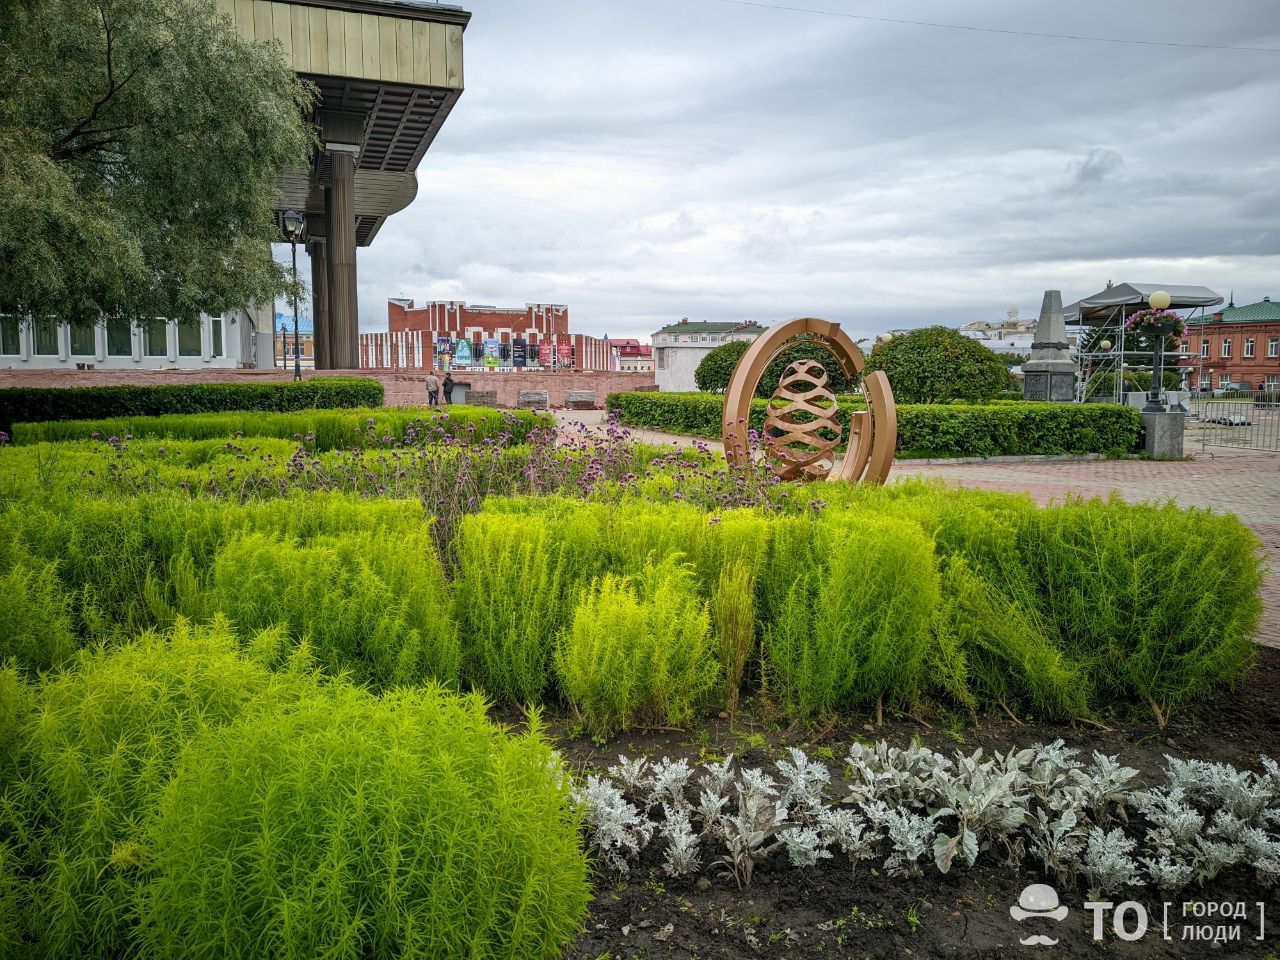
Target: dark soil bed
point(833, 911)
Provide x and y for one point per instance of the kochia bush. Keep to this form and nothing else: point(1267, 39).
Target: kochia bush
point(639, 650)
point(352, 826)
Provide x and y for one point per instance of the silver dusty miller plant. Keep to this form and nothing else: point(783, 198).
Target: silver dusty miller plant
point(906, 806)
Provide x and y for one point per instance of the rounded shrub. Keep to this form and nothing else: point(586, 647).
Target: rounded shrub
point(352, 826)
point(374, 608)
point(938, 364)
point(639, 650)
point(97, 746)
point(852, 603)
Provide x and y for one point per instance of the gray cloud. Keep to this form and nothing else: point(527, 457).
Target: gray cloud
point(643, 162)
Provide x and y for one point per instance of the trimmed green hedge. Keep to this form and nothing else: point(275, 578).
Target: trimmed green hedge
point(328, 429)
point(1001, 428)
point(40, 404)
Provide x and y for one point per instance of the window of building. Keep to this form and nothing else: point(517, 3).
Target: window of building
point(1273, 381)
point(189, 340)
point(1273, 347)
point(1206, 381)
point(661, 357)
point(1226, 347)
point(10, 336)
point(119, 337)
point(215, 331)
point(156, 335)
point(1248, 347)
point(1185, 347)
point(82, 340)
point(1204, 348)
point(44, 333)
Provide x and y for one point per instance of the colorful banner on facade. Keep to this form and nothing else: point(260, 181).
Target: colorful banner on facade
point(444, 350)
point(544, 353)
point(564, 352)
point(462, 354)
point(491, 357)
point(519, 352)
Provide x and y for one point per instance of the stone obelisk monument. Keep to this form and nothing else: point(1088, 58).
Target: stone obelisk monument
point(1050, 374)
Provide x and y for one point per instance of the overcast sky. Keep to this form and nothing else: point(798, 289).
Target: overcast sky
point(646, 160)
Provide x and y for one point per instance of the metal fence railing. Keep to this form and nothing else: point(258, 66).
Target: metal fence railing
point(1235, 418)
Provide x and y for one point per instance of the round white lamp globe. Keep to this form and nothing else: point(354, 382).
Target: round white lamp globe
point(1160, 300)
point(1104, 345)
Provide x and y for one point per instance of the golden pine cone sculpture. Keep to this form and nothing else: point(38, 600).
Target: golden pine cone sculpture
point(801, 432)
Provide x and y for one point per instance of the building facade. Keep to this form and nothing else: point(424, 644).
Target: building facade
point(631, 356)
point(680, 347)
point(1011, 335)
point(1237, 348)
point(449, 334)
point(229, 341)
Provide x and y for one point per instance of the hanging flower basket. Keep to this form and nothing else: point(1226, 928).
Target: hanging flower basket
point(1154, 323)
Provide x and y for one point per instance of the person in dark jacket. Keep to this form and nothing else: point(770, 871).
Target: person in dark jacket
point(448, 388)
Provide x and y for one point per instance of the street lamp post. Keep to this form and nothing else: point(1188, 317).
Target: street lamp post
point(1159, 300)
point(293, 230)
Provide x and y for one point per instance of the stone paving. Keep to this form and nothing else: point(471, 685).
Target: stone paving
point(1222, 479)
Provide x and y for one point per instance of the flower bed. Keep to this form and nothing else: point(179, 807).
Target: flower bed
point(1005, 428)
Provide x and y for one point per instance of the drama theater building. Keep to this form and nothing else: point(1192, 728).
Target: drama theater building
point(1237, 348)
point(448, 334)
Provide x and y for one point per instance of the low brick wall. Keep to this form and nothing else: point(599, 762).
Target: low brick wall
point(402, 389)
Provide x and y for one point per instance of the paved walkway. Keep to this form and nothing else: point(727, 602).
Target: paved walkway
point(1224, 480)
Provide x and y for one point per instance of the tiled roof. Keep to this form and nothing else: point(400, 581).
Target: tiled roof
point(710, 327)
point(1262, 311)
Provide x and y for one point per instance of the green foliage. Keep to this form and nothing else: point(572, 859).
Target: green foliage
point(996, 651)
point(327, 429)
point(514, 586)
point(377, 609)
point(140, 144)
point(715, 370)
point(100, 745)
point(639, 649)
point(32, 405)
point(1103, 383)
point(1156, 603)
point(854, 623)
point(733, 612)
point(349, 826)
point(937, 364)
point(924, 430)
point(35, 616)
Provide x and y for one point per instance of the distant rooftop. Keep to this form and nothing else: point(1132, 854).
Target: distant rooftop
point(712, 326)
point(1262, 311)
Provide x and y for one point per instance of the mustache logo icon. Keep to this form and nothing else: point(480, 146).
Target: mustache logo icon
point(1038, 941)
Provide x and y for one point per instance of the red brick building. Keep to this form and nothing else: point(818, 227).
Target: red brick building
point(632, 356)
point(448, 331)
point(1235, 348)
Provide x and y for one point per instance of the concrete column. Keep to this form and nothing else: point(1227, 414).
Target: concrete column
point(341, 241)
point(317, 250)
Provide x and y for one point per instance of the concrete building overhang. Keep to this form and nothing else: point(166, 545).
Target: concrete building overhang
point(388, 73)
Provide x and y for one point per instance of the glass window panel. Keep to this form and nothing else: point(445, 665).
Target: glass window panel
point(45, 334)
point(157, 338)
point(215, 328)
point(119, 337)
point(82, 340)
point(189, 340)
point(10, 339)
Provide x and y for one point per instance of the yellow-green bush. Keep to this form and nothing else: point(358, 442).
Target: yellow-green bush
point(35, 612)
point(1157, 604)
point(372, 607)
point(97, 747)
point(639, 650)
point(854, 623)
point(351, 826)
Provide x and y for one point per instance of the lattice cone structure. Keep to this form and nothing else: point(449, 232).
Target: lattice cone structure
point(801, 432)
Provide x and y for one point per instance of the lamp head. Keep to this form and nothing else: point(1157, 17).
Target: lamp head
point(1160, 300)
point(1104, 345)
point(293, 224)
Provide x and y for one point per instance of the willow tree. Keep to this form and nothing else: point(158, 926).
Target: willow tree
point(140, 142)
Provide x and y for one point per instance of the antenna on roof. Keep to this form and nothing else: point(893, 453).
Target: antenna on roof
point(1231, 301)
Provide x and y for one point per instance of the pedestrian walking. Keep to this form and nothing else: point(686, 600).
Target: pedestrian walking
point(448, 387)
point(433, 390)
